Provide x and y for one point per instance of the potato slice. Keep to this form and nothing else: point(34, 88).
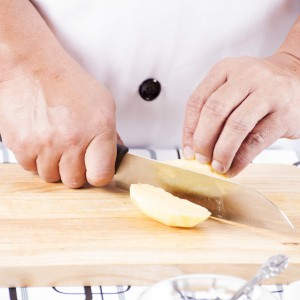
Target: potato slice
point(206, 169)
point(195, 166)
point(165, 208)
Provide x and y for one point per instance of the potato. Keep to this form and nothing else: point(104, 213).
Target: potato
point(206, 169)
point(165, 208)
point(195, 166)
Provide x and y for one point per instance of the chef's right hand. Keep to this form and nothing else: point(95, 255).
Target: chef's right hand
point(60, 122)
point(54, 116)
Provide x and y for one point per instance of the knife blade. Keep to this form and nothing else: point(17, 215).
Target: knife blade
point(224, 199)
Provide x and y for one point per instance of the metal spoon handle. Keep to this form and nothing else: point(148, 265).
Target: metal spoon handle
point(273, 267)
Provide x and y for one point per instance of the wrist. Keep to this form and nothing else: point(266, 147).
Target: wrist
point(25, 46)
point(290, 48)
point(23, 59)
point(287, 61)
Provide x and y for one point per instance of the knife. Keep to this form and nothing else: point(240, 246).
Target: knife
point(224, 199)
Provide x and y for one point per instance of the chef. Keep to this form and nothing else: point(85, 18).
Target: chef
point(77, 75)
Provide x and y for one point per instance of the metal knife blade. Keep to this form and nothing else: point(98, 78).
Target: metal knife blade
point(224, 199)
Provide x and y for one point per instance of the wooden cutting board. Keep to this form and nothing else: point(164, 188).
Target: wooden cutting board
point(54, 236)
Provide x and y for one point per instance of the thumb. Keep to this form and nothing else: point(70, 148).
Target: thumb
point(100, 159)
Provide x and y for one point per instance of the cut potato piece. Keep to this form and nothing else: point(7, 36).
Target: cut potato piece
point(206, 169)
point(165, 208)
point(195, 166)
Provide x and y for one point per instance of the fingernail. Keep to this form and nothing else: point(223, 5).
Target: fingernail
point(202, 158)
point(188, 152)
point(217, 166)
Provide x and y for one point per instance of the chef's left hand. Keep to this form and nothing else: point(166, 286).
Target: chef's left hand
point(241, 107)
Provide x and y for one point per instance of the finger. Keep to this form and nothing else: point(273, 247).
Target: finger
point(100, 160)
point(214, 79)
point(265, 133)
point(47, 165)
point(214, 113)
point(23, 151)
point(27, 162)
point(72, 167)
point(237, 127)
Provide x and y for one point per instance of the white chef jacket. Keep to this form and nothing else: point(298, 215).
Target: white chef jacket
point(124, 42)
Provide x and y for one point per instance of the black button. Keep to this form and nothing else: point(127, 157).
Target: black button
point(149, 89)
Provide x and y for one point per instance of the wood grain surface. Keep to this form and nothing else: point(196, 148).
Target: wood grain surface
point(54, 236)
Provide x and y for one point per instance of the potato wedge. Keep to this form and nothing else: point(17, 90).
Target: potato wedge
point(195, 166)
point(165, 208)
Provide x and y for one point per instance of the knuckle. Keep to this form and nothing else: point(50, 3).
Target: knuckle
point(214, 108)
point(223, 63)
point(189, 129)
point(106, 122)
point(105, 127)
point(238, 125)
point(231, 63)
point(46, 138)
point(195, 103)
point(66, 137)
point(241, 159)
point(255, 140)
point(72, 139)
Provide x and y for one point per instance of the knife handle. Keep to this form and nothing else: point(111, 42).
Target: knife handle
point(121, 152)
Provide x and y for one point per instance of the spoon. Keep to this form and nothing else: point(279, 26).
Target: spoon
point(272, 267)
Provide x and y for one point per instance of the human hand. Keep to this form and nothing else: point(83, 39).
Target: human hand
point(59, 121)
point(241, 107)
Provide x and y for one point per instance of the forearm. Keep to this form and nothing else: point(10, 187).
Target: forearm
point(291, 44)
point(25, 39)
